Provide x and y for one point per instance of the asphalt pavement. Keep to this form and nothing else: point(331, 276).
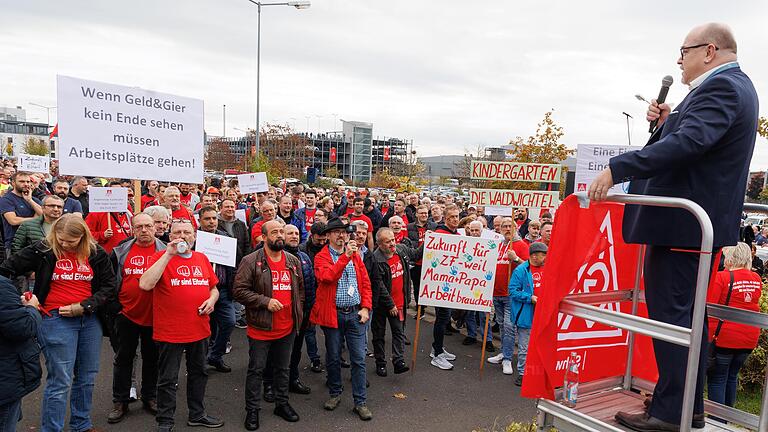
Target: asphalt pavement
point(427, 400)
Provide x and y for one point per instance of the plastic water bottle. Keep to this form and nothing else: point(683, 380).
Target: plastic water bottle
point(571, 381)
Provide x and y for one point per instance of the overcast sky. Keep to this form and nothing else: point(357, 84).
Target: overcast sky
point(451, 75)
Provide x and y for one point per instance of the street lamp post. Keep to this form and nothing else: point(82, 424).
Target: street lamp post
point(302, 4)
point(48, 111)
point(629, 137)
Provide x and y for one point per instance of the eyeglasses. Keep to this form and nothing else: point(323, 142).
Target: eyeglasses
point(684, 49)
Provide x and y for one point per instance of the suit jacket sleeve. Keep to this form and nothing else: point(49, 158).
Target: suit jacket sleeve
point(710, 115)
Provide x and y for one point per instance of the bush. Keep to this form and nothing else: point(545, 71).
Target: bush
point(752, 375)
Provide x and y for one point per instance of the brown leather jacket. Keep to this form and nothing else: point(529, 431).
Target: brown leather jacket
point(253, 289)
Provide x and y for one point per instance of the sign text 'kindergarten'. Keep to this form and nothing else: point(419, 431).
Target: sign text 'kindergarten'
point(515, 171)
point(458, 272)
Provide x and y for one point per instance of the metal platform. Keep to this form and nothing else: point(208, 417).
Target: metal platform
point(595, 413)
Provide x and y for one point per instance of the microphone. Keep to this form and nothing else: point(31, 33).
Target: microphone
point(665, 83)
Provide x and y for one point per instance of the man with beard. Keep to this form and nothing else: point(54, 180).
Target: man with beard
point(522, 221)
point(223, 316)
point(234, 228)
point(71, 205)
point(130, 259)
point(18, 206)
point(187, 197)
point(307, 268)
point(271, 286)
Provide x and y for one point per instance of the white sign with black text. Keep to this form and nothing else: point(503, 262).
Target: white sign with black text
point(219, 249)
point(253, 182)
point(593, 158)
point(107, 199)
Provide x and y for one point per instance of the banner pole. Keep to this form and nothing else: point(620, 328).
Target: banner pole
point(136, 196)
point(109, 220)
point(485, 340)
point(416, 340)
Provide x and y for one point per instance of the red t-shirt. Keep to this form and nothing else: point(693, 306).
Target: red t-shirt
point(747, 289)
point(70, 283)
point(185, 284)
point(282, 320)
point(503, 268)
point(184, 213)
point(401, 235)
point(256, 232)
point(310, 217)
point(404, 218)
point(538, 275)
point(147, 200)
point(362, 217)
point(186, 200)
point(137, 303)
point(396, 267)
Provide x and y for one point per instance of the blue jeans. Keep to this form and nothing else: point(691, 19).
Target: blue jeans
point(222, 324)
point(71, 347)
point(523, 335)
point(506, 328)
point(723, 381)
point(310, 336)
point(10, 414)
point(353, 332)
point(473, 329)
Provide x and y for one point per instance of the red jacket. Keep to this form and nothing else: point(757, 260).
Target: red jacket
point(747, 288)
point(328, 275)
point(98, 223)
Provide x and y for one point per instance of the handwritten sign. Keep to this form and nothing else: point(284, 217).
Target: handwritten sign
point(514, 198)
point(253, 182)
point(219, 249)
point(240, 214)
point(458, 272)
point(108, 199)
point(33, 163)
point(516, 171)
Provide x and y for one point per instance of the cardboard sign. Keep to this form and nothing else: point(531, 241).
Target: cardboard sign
point(458, 272)
point(514, 198)
point(108, 199)
point(108, 130)
point(591, 159)
point(253, 182)
point(516, 171)
point(219, 249)
point(33, 163)
point(240, 214)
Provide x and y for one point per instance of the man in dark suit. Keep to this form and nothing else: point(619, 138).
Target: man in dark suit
point(700, 151)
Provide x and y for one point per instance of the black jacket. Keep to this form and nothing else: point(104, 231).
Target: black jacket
point(39, 258)
point(242, 234)
point(20, 369)
point(413, 231)
point(381, 280)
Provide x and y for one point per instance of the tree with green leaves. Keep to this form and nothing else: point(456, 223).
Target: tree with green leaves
point(36, 146)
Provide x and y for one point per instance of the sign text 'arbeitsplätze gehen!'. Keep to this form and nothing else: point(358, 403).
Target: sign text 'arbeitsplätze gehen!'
point(107, 130)
point(514, 198)
point(516, 171)
point(458, 272)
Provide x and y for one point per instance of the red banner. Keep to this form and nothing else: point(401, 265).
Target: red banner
point(386, 153)
point(587, 254)
point(332, 157)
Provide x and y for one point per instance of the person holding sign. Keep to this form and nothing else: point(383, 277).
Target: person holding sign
point(74, 279)
point(391, 287)
point(269, 283)
point(441, 358)
point(185, 294)
point(134, 322)
point(342, 308)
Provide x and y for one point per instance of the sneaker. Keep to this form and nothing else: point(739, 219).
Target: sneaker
point(507, 368)
point(363, 412)
point(316, 367)
point(448, 356)
point(441, 362)
point(496, 359)
point(519, 381)
point(229, 348)
point(241, 324)
point(332, 403)
point(133, 395)
point(206, 421)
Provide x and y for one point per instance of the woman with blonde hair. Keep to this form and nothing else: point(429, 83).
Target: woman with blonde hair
point(74, 278)
point(739, 287)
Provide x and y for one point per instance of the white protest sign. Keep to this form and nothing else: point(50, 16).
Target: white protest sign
point(591, 159)
point(107, 130)
point(240, 214)
point(253, 182)
point(458, 272)
point(33, 163)
point(219, 249)
point(107, 199)
point(491, 235)
point(498, 211)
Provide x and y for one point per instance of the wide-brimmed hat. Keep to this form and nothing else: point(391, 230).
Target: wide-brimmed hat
point(335, 224)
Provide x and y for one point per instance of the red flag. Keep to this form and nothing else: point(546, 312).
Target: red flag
point(386, 153)
point(54, 132)
point(332, 157)
point(587, 254)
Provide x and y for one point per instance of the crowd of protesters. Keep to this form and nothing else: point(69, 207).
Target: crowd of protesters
point(346, 263)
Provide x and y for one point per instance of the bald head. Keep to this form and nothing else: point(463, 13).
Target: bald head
point(716, 33)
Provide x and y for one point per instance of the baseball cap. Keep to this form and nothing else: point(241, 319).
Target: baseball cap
point(213, 190)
